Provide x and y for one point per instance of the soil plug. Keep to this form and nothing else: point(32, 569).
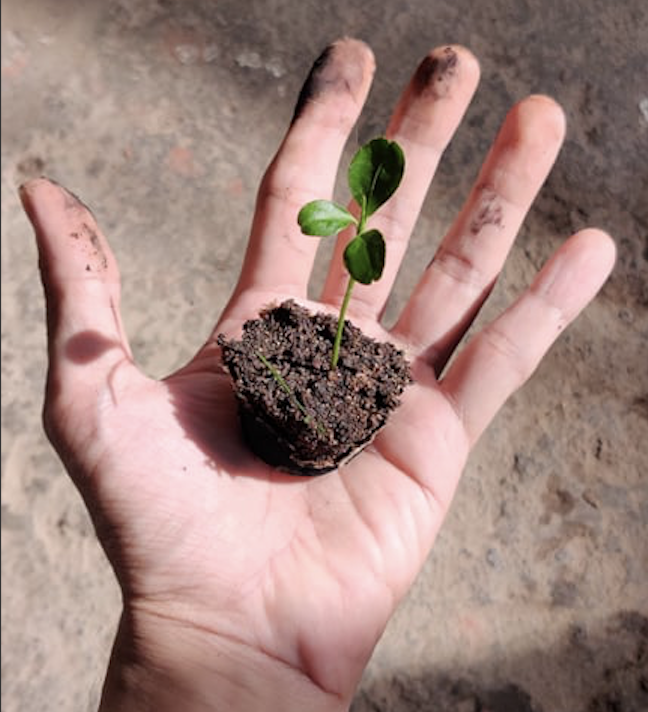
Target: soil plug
point(303, 408)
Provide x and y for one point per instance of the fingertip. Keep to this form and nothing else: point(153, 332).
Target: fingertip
point(29, 185)
point(343, 70)
point(358, 65)
point(598, 237)
point(542, 115)
point(26, 192)
point(355, 51)
point(39, 196)
point(576, 272)
point(443, 69)
point(67, 235)
point(599, 246)
point(36, 185)
point(469, 62)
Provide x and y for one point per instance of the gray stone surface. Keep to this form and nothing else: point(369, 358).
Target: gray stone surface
point(162, 114)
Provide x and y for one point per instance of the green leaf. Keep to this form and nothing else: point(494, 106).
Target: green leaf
point(375, 173)
point(323, 218)
point(364, 257)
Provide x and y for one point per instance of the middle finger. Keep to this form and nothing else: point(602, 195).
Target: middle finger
point(424, 121)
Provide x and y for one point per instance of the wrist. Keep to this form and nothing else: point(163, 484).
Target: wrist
point(163, 665)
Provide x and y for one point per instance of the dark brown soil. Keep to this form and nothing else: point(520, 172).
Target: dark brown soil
point(305, 418)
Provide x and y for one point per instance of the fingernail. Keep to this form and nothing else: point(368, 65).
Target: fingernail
point(71, 199)
point(70, 194)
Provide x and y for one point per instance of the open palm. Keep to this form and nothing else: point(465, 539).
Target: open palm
point(203, 536)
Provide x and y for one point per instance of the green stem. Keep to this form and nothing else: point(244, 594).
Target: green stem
point(347, 295)
point(340, 326)
point(287, 389)
point(360, 226)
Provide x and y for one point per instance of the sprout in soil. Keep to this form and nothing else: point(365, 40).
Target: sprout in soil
point(291, 394)
point(374, 175)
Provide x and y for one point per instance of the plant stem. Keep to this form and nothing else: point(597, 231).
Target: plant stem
point(340, 325)
point(347, 295)
point(363, 216)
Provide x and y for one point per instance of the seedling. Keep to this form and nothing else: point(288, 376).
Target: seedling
point(374, 174)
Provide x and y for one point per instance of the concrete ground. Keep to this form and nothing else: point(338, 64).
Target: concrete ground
point(162, 115)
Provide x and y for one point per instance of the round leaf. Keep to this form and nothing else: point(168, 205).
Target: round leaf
point(375, 173)
point(364, 257)
point(323, 218)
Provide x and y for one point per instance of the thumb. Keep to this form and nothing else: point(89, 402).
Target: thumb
point(86, 340)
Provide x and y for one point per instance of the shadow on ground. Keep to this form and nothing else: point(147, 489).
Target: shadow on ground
point(604, 671)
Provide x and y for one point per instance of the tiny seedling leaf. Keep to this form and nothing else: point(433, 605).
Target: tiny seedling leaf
point(375, 173)
point(324, 218)
point(364, 257)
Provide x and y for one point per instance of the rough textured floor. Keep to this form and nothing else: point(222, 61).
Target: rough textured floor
point(162, 115)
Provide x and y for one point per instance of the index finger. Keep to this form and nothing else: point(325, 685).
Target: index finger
point(279, 257)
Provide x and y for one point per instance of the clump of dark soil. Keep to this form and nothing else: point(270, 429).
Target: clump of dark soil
point(296, 413)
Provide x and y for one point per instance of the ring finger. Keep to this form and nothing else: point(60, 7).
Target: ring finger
point(470, 257)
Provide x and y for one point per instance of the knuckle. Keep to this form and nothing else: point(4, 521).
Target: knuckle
point(506, 349)
point(460, 268)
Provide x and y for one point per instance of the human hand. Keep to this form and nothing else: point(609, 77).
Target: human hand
point(245, 588)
